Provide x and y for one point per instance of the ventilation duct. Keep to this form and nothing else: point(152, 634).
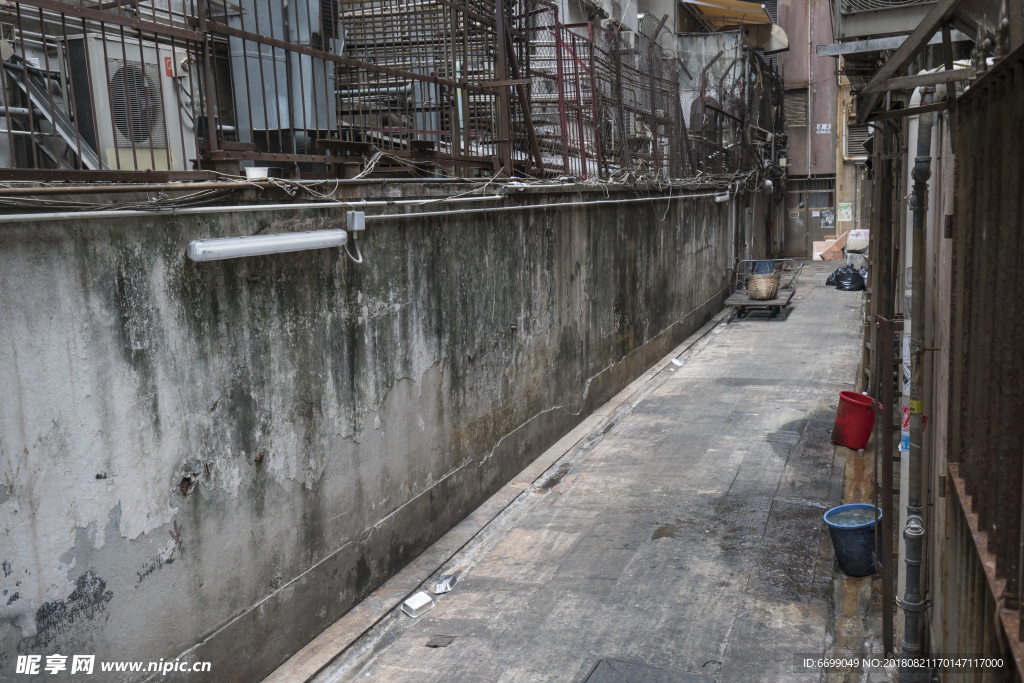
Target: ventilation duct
point(278, 90)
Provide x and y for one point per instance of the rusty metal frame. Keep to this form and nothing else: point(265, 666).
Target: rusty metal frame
point(983, 570)
point(595, 76)
point(885, 364)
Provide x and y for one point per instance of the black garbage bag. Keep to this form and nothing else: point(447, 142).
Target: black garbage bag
point(848, 279)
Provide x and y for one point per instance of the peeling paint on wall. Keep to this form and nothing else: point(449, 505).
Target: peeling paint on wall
point(278, 435)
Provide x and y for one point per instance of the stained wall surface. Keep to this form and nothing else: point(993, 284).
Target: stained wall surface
point(216, 460)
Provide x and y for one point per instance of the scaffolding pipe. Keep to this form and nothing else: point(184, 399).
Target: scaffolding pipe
point(912, 602)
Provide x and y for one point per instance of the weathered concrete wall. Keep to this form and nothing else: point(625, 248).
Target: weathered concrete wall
point(218, 459)
point(809, 24)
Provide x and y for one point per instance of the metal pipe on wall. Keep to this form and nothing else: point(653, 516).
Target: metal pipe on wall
point(912, 601)
point(31, 189)
point(356, 204)
point(170, 211)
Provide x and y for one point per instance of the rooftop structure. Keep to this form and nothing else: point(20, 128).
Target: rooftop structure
point(192, 90)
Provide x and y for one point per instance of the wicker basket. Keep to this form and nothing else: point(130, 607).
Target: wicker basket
point(763, 287)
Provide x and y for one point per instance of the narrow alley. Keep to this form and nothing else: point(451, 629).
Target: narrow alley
point(681, 533)
point(458, 340)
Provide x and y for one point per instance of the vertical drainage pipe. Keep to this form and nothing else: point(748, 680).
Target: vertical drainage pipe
point(912, 602)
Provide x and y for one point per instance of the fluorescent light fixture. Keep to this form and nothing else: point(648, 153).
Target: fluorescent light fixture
point(261, 245)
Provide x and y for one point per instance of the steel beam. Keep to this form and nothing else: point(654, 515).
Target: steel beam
point(918, 80)
point(911, 111)
point(932, 22)
point(878, 45)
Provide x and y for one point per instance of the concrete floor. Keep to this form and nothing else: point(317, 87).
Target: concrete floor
point(683, 544)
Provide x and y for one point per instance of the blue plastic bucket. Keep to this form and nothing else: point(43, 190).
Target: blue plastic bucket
point(764, 268)
point(853, 537)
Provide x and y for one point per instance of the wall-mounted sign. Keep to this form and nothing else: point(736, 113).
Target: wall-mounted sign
point(825, 128)
point(828, 218)
point(845, 211)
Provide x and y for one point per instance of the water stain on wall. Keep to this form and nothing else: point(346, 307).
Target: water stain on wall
point(60, 618)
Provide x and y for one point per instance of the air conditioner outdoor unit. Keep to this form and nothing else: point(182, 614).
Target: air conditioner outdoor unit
point(636, 127)
point(134, 102)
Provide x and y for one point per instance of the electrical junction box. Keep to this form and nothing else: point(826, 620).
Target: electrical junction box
point(356, 221)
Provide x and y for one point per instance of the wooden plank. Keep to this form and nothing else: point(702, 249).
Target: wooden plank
point(834, 251)
point(918, 80)
point(906, 52)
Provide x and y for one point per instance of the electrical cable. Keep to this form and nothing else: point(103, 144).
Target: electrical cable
point(354, 259)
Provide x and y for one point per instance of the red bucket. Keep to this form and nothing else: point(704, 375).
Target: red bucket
point(855, 418)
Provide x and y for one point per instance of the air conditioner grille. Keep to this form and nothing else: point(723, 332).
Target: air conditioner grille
point(856, 134)
point(794, 106)
point(137, 107)
point(329, 18)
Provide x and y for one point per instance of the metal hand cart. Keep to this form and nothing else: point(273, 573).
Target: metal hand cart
point(789, 270)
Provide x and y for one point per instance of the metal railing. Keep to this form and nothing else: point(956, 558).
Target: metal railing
point(986, 396)
point(131, 90)
point(852, 6)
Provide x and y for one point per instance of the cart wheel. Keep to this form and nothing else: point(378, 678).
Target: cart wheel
point(741, 311)
point(776, 310)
